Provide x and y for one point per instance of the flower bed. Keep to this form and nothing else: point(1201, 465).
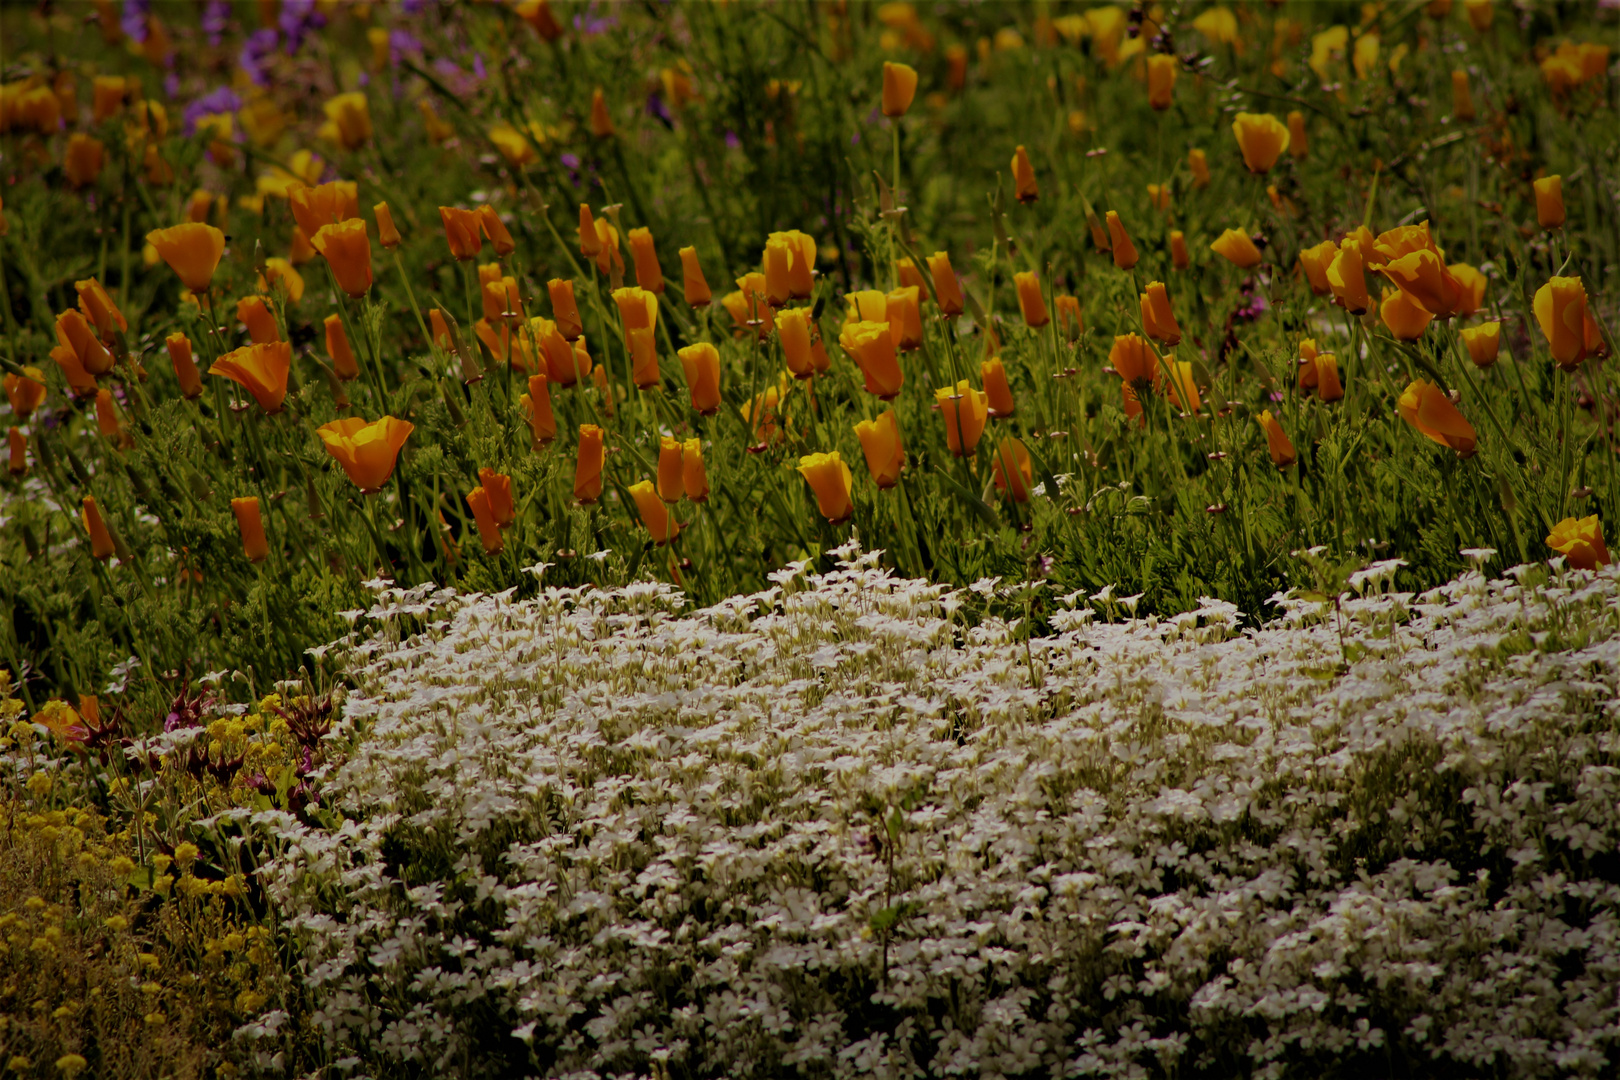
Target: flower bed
point(861, 824)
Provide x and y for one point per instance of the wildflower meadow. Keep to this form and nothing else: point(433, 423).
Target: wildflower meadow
point(566, 538)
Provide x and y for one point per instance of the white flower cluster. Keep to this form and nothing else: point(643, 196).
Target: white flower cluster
point(841, 828)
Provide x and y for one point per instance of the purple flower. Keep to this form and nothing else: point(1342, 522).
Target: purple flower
point(732, 142)
point(259, 45)
point(478, 66)
point(222, 100)
point(585, 23)
point(570, 161)
point(657, 108)
point(171, 85)
point(401, 43)
point(215, 18)
point(298, 17)
point(414, 7)
point(133, 19)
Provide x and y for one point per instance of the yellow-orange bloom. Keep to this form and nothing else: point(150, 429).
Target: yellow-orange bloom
point(17, 446)
point(1423, 277)
point(1560, 308)
point(185, 368)
point(1298, 145)
point(1549, 201)
point(564, 308)
point(1023, 174)
point(1198, 165)
point(279, 270)
point(337, 348)
point(588, 470)
point(1158, 318)
point(348, 119)
point(101, 541)
point(1580, 542)
point(347, 249)
point(832, 483)
point(73, 332)
point(537, 405)
point(1347, 278)
point(947, 290)
point(387, 232)
point(1235, 246)
point(590, 239)
point(899, 87)
point(1161, 80)
point(866, 305)
point(494, 228)
point(260, 322)
point(1315, 262)
point(671, 480)
point(965, 411)
point(83, 159)
point(367, 452)
point(325, 204)
point(1183, 390)
point(903, 312)
point(1262, 138)
point(801, 264)
point(1430, 411)
point(793, 329)
point(251, 528)
point(462, 231)
point(1134, 361)
point(697, 289)
point(489, 530)
point(99, 308)
point(1328, 387)
point(694, 477)
point(1179, 257)
point(498, 488)
point(192, 251)
point(1483, 342)
point(26, 391)
point(1125, 256)
point(1277, 441)
point(649, 275)
point(996, 390)
point(262, 369)
point(1405, 317)
point(870, 345)
point(1013, 470)
point(1030, 301)
point(1471, 288)
point(660, 523)
point(880, 443)
point(107, 420)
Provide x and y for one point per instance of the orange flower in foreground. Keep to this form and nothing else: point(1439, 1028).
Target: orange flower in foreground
point(17, 445)
point(99, 308)
point(337, 348)
point(489, 530)
point(1023, 174)
point(1262, 138)
point(1560, 307)
point(880, 442)
point(367, 451)
point(1580, 542)
point(462, 231)
point(588, 470)
point(564, 308)
point(324, 204)
point(1315, 262)
point(25, 391)
point(1031, 304)
point(1014, 472)
point(899, 87)
point(1235, 246)
point(537, 405)
point(347, 248)
point(1405, 317)
point(387, 232)
point(872, 349)
point(1278, 444)
point(661, 524)
point(185, 368)
point(250, 525)
point(832, 483)
point(261, 368)
point(1134, 361)
point(1483, 342)
point(1158, 318)
point(994, 377)
point(1430, 411)
point(101, 541)
point(192, 251)
point(697, 289)
point(260, 322)
point(649, 275)
point(1125, 256)
point(947, 290)
point(694, 477)
point(964, 411)
point(73, 332)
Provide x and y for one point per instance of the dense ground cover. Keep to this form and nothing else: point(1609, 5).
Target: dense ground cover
point(1187, 313)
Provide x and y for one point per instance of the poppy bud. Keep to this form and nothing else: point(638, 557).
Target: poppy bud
point(26, 391)
point(947, 290)
point(18, 445)
point(1161, 80)
point(1178, 250)
point(1159, 197)
point(793, 329)
point(697, 289)
point(1134, 361)
point(671, 483)
point(1235, 246)
point(1070, 316)
point(489, 530)
point(899, 87)
point(192, 252)
point(462, 232)
point(831, 481)
point(1328, 387)
point(870, 345)
point(880, 443)
point(537, 405)
point(259, 320)
point(1198, 163)
point(337, 348)
point(251, 527)
point(1023, 174)
point(778, 266)
point(82, 160)
point(1560, 308)
point(387, 234)
point(367, 452)
point(101, 541)
point(956, 59)
point(1347, 278)
point(1297, 142)
point(1182, 390)
point(996, 390)
point(347, 249)
point(1462, 99)
point(701, 364)
point(73, 332)
point(440, 331)
point(1099, 233)
point(564, 309)
point(649, 275)
point(1158, 318)
point(1550, 201)
point(964, 411)
point(107, 419)
point(660, 523)
point(1014, 472)
point(903, 311)
point(601, 119)
point(1125, 256)
point(498, 488)
point(694, 477)
point(643, 357)
point(1277, 441)
point(909, 275)
point(1427, 408)
point(494, 228)
point(1030, 301)
point(1580, 542)
point(99, 308)
point(1405, 317)
point(1483, 342)
point(588, 470)
point(1315, 261)
point(1261, 138)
